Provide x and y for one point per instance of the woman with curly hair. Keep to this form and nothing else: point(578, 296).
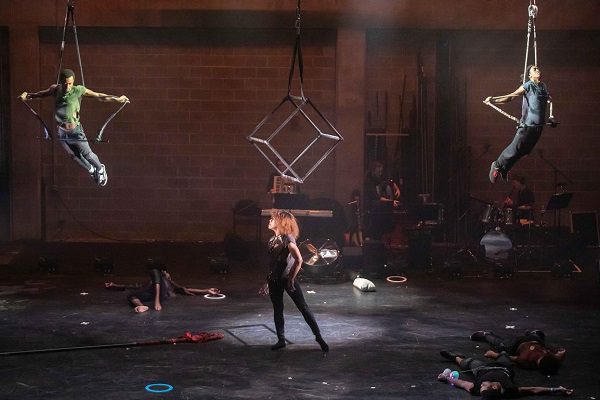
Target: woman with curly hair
point(285, 262)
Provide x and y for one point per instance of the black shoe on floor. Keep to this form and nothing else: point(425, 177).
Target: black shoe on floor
point(450, 355)
point(324, 346)
point(279, 345)
point(536, 332)
point(479, 336)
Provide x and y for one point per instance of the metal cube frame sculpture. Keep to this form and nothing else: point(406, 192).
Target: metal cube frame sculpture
point(265, 146)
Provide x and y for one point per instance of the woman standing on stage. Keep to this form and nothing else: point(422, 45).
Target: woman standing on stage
point(285, 261)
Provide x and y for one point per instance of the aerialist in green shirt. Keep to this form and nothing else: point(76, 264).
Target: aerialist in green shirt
point(67, 103)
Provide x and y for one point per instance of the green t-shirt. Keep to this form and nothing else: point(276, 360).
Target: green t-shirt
point(67, 105)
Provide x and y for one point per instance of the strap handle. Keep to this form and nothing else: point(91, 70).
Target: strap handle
point(47, 134)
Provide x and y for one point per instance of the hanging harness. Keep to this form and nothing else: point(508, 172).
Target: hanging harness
point(532, 11)
point(70, 17)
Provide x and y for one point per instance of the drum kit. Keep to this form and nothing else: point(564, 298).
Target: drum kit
point(511, 232)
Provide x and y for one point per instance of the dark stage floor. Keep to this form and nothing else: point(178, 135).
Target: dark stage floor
point(384, 345)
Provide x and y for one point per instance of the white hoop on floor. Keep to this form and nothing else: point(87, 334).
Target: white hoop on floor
point(396, 279)
point(218, 296)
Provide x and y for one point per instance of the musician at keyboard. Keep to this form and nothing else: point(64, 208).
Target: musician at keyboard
point(382, 195)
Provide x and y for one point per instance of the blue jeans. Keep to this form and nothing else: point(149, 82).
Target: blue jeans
point(77, 147)
point(524, 141)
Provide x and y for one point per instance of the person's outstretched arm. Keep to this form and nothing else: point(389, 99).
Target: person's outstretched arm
point(42, 93)
point(459, 383)
point(120, 286)
point(560, 390)
point(194, 291)
point(105, 97)
point(505, 98)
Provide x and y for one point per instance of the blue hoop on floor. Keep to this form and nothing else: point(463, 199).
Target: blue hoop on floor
point(167, 388)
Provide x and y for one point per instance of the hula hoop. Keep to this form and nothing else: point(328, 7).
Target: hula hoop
point(396, 279)
point(218, 296)
point(166, 386)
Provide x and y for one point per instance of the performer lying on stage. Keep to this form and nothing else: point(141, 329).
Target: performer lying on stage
point(285, 263)
point(493, 380)
point(528, 351)
point(535, 98)
point(158, 289)
point(67, 103)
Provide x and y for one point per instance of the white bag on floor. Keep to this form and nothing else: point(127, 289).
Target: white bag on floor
point(364, 285)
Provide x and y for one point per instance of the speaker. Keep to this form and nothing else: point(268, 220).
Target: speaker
point(586, 225)
point(374, 257)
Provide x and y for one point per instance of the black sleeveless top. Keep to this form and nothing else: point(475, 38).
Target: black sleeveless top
point(279, 256)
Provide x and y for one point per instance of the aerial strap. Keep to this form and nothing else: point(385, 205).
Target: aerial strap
point(532, 11)
point(101, 131)
point(297, 54)
point(47, 132)
point(70, 16)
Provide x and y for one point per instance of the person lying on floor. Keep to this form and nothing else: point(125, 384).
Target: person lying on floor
point(528, 351)
point(156, 291)
point(492, 380)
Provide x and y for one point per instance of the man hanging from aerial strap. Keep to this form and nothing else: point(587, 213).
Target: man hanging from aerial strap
point(67, 103)
point(530, 126)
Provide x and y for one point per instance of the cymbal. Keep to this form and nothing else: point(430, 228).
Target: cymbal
point(326, 254)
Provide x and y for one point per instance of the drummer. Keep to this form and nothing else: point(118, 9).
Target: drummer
point(522, 199)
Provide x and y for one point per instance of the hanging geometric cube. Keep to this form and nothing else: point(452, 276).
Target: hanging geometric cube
point(276, 137)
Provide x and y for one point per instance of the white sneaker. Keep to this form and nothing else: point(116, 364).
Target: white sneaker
point(102, 176)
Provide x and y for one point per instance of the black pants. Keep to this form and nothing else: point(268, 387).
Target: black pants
point(276, 289)
point(524, 141)
point(479, 366)
point(511, 345)
point(75, 144)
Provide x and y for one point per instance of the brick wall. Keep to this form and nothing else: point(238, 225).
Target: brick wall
point(178, 158)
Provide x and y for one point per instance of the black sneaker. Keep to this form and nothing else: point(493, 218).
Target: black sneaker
point(478, 336)
point(323, 344)
point(279, 345)
point(450, 355)
point(536, 332)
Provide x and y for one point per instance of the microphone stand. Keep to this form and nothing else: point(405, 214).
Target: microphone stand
point(556, 172)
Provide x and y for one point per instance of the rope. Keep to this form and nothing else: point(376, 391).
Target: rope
point(532, 11)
